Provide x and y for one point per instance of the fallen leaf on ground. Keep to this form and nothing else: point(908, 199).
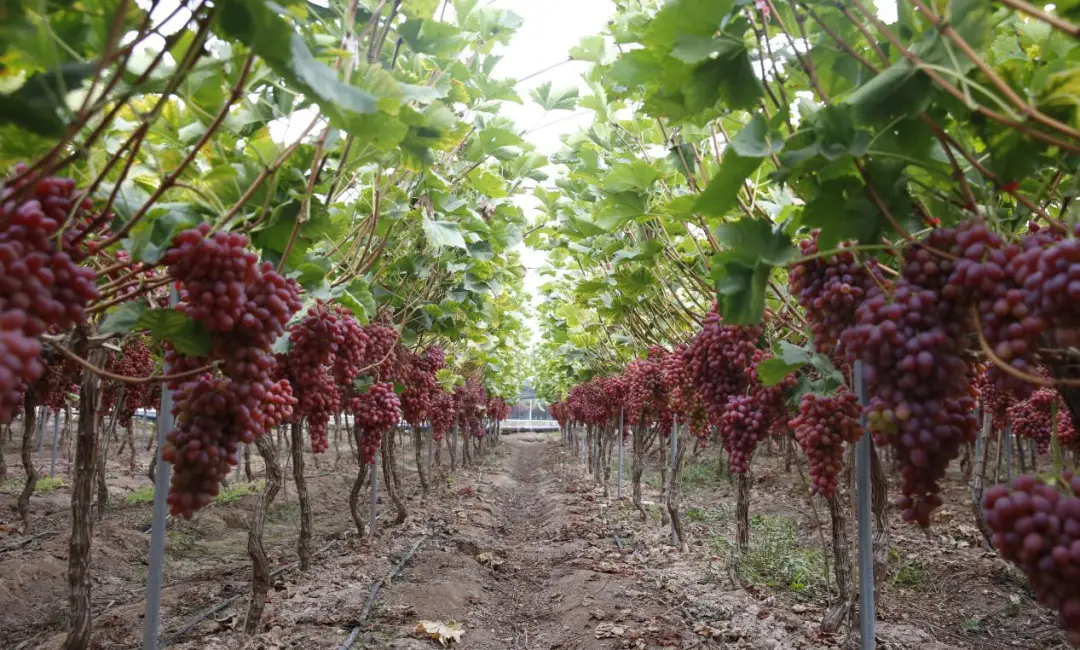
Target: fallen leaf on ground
point(444, 633)
point(609, 630)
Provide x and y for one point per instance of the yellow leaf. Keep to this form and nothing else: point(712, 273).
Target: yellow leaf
point(444, 633)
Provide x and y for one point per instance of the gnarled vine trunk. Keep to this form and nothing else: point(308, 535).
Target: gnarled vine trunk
point(742, 513)
point(979, 479)
point(82, 524)
point(247, 464)
point(844, 609)
point(3, 463)
point(451, 446)
point(260, 567)
point(390, 477)
point(354, 498)
point(304, 544)
point(879, 505)
point(418, 449)
point(674, 495)
point(131, 446)
point(29, 424)
point(103, 456)
point(638, 468)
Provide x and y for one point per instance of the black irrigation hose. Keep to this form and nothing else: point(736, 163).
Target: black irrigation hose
point(375, 587)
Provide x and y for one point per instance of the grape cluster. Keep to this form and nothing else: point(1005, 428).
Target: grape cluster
point(743, 424)
point(374, 413)
point(245, 305)
point(470, 400)
point(911, 344)
point(995, 401)
point(443, 415)
point(1036, 526)
point(135, 360)
point(497, 409)
point(315, 344)
point(1032, 418)
point(829, 288)
point(418, 377)
point(561, 412)
point(716, 361)
point(60, 378)
point(646, 400)
point(42, 288)
point(824, 424)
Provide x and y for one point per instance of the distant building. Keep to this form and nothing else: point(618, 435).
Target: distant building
point(529, 407)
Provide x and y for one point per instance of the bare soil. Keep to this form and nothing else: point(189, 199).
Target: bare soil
point(522, 550)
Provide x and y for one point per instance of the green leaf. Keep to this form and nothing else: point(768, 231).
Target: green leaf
point(591, 48)
point(430, 36)
point(39, 104)
point(690, 48)
point(773, 371)
point(636, 176)
point(172, 325)
point(359, 300)
point(755, 140)
point(742, 290)
point(722, 193)
point(753, 240)
point(260, 25)
point(837, 135)
point(152, 236)
point(897, 90)
point(443, 233)
point(554, 100)
point(123, 319)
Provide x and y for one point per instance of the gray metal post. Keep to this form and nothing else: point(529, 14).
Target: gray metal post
point(1006, 438)
point(867, 609)
point(596, 452)
point(622, 416)
point(674, 464)
point(55, 444)
point(374, 495)
point(155, 575)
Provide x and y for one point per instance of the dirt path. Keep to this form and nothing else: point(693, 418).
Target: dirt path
point(529, 567)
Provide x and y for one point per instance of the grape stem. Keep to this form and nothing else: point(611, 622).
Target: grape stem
point(1019, 374)
point(149, 379)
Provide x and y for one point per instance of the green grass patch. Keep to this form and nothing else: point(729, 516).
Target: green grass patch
point(697, 473)
point(905, 570)
point(238, 491)
point(145, 494)
point(776, 559)
point(14, 486)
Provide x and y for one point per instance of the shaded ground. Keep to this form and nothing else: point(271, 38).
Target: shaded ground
point(522, 551)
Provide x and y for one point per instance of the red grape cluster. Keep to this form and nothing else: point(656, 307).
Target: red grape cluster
point(561, 412)
point(829, 288)
point(497, 409)
point(135, 360)
point(1032, 418)
point(995, 400)
point(316, 340)
point(374, 413)
point(749, 417)
point(443, 415)
point(1036, 526)
point(716, 361)
point(41, 287)
point(911, 344)
point(418, 376)
point(381, 358)
point(646, 399)
point(824, 424)
point(245, 306)
point(743, 424)
point(471, 400)
point(60, 378)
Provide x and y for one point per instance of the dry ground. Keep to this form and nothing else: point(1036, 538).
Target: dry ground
point(521, 551)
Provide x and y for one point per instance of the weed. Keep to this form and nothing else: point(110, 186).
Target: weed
point(971, 625)
point(696, 515)
point(905, 570)
point(48, 484)
point(14, 486)
point(238, 491)
point(145, 494)
point(697, 473)
point(775, 559)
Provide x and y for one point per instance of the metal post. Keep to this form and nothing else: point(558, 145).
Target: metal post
point(374, 495)
point(622, 415)
point(674, 464)
point(55, 443)
point(156, 572)
point(867, 609)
